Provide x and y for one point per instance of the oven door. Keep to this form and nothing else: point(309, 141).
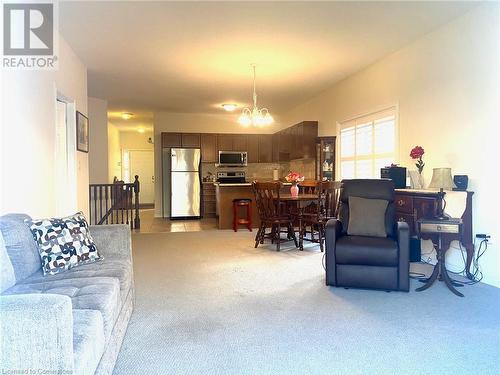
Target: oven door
point(232, 159)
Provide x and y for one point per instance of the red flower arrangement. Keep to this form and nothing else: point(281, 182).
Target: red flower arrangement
point(294, 177)
point(416, 153)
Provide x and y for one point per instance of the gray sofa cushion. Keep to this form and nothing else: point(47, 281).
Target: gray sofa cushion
point(7, 276)
point(93, 293)
point(20, 245)
point(88, 340)
point(109, 267)
point(367, 217)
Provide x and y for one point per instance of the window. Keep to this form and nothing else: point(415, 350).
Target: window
point(367, 144)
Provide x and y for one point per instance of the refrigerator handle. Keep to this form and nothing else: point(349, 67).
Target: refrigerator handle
point(173, 165)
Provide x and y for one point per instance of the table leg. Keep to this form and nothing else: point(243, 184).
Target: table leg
point(449, 283)
point(430, 280)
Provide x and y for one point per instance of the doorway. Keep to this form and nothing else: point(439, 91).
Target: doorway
point(141, 163)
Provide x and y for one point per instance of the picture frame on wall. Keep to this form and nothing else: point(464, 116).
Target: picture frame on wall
point(82, 132)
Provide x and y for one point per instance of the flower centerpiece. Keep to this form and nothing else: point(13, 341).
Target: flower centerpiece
point(294, 178)
point(416, 153)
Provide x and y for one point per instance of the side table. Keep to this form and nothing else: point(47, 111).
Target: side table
point(434, 230)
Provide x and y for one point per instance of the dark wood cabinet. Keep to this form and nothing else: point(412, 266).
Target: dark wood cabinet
point(276, 147)
point(265, 148)
point(284, 138)
point(208, 200)
point(208, 148)
point(171, 140)
point(191, 140)
point(240, 142)
point(325, 158)
point(225, 142)
point(253, 148)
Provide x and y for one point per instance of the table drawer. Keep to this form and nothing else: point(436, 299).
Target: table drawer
point(407, 219)
point(404, 204)
point(439, 228)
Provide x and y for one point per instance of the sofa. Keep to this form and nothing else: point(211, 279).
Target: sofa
point(73, 322)
point(371, 262)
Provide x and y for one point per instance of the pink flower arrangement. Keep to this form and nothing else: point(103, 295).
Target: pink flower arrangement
point(294, 177)
point(416, 153)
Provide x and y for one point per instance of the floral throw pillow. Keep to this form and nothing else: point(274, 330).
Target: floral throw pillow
point(63, 243)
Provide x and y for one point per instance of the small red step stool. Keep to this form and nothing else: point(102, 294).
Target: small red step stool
point(247, 203)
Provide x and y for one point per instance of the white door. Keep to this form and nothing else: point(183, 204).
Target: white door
point(142, 165)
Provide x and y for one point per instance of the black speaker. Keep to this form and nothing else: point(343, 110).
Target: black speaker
point(461, 181)
point(415, 250)
point(396, 174)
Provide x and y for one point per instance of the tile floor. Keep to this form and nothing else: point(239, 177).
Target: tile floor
point(151, 224)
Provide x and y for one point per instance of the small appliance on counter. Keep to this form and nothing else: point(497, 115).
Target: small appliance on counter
point(396, 174)
point(236, 177)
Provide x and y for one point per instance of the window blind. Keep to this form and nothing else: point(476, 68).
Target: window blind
point(367, 143)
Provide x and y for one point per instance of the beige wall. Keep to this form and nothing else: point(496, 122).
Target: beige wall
point(447, 86)
point(98, 148)
point(114, 153)
point(28, 137)
point(133, 140)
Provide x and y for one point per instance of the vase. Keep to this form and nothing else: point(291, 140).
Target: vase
point(294, 190)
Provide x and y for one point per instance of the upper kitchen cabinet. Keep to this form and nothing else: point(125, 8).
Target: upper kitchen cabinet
point(191, 140)
point(171, 140)
point(208, 148)
point(240, 142)
point(284, 138)
point(303, 140)
point(265, 148)
point(225, 142)
point(276, 148)
point(253, 148)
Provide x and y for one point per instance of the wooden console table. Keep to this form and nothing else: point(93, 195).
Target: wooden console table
point(412, 205)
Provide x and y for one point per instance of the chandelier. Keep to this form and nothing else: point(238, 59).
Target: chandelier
point(255, 116)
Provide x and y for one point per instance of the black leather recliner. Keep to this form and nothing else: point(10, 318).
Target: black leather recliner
point(367, 262)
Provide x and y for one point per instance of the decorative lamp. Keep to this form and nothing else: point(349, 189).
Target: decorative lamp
point(442, 180)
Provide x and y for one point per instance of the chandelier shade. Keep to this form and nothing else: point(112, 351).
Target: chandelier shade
point(255, 116)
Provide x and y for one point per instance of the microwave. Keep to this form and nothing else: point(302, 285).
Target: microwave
point(232, 159)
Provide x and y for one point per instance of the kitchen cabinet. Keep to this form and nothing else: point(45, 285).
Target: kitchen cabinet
point(265, 148)
point(208, 200)
point(303, 140)
point(253, 148)
point(240, 142)
point(276, 147)
point(191, 140)
point(171, 140)
point(325, 159)
point(208, 144)
point(225, 142)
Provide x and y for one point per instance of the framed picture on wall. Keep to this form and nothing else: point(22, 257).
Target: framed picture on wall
point(82, 132)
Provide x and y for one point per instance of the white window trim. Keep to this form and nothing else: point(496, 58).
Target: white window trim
point(374, 112)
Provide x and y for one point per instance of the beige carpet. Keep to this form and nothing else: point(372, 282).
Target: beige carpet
point(209, 303)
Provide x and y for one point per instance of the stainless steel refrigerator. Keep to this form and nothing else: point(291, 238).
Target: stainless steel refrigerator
point(185, 184)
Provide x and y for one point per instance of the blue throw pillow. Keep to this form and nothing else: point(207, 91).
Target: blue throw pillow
point(63, 243)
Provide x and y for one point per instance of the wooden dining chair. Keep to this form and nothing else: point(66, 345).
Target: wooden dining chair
point(313, 222)
point(272, 216)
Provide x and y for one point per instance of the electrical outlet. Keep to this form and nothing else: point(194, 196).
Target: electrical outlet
point(483, 236)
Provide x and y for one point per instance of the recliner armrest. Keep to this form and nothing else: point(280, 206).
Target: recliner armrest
point(333, 232)
point(403, 238)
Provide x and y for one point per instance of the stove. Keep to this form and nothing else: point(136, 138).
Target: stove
point(236, 177)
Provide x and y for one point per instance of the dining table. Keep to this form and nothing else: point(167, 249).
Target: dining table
point(302, 201)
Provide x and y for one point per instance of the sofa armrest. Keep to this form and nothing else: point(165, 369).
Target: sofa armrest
point(403, 237)
point(36, 332)
point(112, 240)
point(333, 231)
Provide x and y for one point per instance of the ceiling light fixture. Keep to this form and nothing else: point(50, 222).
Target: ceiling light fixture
point(141, 130)
point(255, 116)
point(229, 107)
point(127, 115)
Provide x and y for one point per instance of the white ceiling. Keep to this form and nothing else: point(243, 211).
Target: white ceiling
point(192, 56)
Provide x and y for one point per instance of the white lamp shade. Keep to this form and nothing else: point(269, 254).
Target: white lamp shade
point(441, 179)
